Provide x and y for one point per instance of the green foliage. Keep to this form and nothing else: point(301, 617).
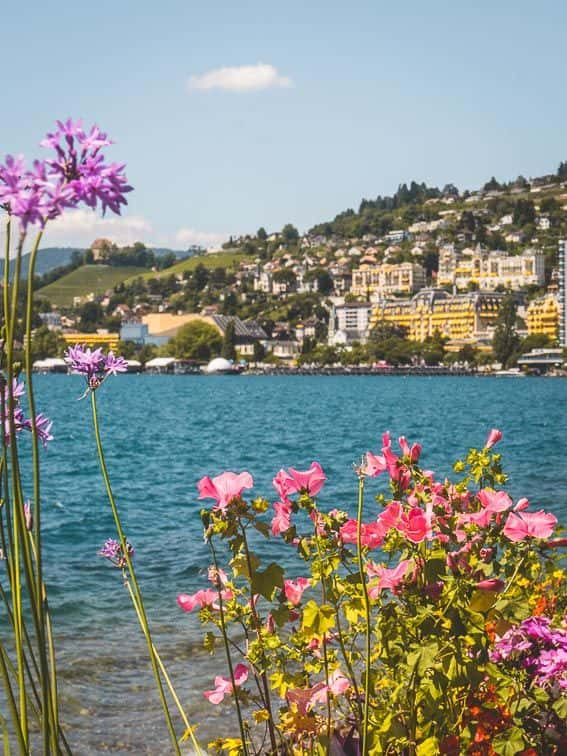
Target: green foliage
point(228, 350)
point(506, 341)
point(196, 340)
point(428, 677)
point(46, 343)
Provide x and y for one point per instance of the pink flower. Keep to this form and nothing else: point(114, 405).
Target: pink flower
point(492, 584)
point(388, 578)
point(217, 576)
point(371, 533)
point(374, 465)
point(494, 501)
point(338, 683)
point(305, 698)
point(416, 525)
point(413, 452)
point(311, 480)
point(294, 589)
point(201, 599)
point(281, 522)
point(493, 438)
point(284, 485)
point(529, 525)
point(223, 685)
point(390, 516)
point(224, 488)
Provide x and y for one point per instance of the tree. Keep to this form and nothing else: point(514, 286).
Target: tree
point(505, 342)
point(91, 316)
point(228, 350)
point(46, 343)
point(524, 212)
point(290, 233)
point(196, 340)
point(492, 185)
point(259, 351)
point(262, 234)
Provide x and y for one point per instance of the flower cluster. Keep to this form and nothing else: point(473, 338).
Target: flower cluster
point(456, 565)
point(94, 365)
point(113, 551)
point(537, 647)
point(77, 174)
point(18, 421)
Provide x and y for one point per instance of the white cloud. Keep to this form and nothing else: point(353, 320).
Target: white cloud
point(186, 237)
point(240, 79)
point(80, 228)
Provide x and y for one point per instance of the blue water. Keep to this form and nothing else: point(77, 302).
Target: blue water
point(162, 433)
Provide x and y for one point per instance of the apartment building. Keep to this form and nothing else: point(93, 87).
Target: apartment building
point(387, 279)
point(490, 269)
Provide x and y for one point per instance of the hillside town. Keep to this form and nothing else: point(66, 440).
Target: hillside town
point(423, 278)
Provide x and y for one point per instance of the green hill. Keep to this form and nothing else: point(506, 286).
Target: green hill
point(228, 259)
point(84, 280)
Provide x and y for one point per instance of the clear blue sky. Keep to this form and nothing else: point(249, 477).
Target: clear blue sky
point(358, 97)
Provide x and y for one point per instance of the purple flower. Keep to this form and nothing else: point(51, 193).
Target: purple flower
point(114, 365)
point(112, 550)
point(78, 173)
point(42, 424)
point(94, 365)
point(536, 647)
point(89, 362)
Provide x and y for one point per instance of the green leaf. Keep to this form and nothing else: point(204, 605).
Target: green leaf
point(482, 601)
point(317, 620)
point(429, 747)
point(560, 708)
point(262, 527)
point(265, 583)
point(509, 742)
point(239, 565)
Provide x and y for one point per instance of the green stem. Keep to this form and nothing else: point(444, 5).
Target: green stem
point(188, 728)
point(265, 685)
point(131, 572)
point(324, 640)
point(227, 651)
point(367, 614)
point(49, 727)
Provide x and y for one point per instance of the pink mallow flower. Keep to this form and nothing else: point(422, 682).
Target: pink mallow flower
point(224, 488)
point(306, 698)
point(493, 438)
point(529, 525)
point(294, 589)
point(223, 685)
point(494, 501)
point(199, 600)
point(281, 522)
point(387, 578)
point(416, 525)
point(371, 533)
point(310, 481)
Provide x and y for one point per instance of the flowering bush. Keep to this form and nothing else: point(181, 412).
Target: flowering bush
point(415, 628)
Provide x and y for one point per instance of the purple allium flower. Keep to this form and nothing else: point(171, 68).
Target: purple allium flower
point(94, 365)
point(42, 424)
point(78, 173)
point(112, 550)
point(114, 365)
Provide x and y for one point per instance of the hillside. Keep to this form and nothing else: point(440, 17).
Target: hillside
point(83, 281)
point(229, 259)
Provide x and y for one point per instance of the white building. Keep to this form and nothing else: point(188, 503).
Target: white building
point(349, 322)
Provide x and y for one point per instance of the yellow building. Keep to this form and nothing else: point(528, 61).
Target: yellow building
point(108, 341)
point(543, 316)
point(461, 318)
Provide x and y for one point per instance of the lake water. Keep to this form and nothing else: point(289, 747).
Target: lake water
point(163, 433)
